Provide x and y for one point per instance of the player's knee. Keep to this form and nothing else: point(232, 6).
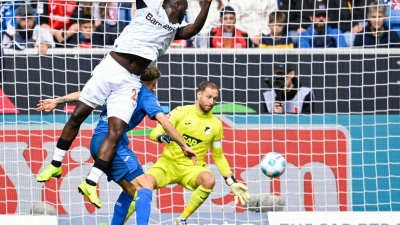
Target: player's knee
point(207, 180)
point(143, 182)
point(130, 190)
point(115, 134)
point(75, 120)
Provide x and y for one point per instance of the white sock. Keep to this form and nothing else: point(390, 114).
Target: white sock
point(95, 175)
point(59, 154)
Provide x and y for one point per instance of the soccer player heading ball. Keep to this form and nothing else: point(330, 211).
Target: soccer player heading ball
point(116, 81)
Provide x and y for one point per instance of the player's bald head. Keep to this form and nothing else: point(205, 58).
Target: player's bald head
point(176, 10)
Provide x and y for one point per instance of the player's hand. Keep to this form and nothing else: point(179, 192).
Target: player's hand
point(278, 108)
point(188, 152)
point(46, 105)
point(239, 190)
point(164, 138)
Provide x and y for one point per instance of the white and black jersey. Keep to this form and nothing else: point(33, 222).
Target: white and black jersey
point(149, 34)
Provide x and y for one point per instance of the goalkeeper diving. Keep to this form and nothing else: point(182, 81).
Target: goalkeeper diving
point(201, 130)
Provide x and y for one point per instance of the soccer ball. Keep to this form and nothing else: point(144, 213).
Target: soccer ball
point(273, 164)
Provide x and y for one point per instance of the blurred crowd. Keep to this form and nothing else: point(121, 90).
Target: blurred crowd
point(230, 24)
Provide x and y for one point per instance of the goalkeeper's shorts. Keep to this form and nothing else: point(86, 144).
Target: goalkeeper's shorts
point(124, 165)
point(112, 83)
point(167, 172)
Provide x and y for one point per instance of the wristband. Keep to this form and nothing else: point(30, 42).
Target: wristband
point(230, 180)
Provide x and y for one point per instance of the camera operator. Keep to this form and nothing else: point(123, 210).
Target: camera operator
point(287, 95)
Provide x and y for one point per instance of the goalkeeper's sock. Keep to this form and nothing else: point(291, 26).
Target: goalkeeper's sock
point(143, 206)
point(98, 169)
point(60, 152)
point(132, 207)
point(198, 197)
point(121, 208)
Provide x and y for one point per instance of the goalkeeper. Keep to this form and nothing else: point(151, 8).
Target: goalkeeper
point(201, 130)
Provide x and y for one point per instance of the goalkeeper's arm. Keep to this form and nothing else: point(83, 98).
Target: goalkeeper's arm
point(49, 104)
point(238, 189)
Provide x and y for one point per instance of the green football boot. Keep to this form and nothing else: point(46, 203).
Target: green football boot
point(49, 172)
point(91, 193)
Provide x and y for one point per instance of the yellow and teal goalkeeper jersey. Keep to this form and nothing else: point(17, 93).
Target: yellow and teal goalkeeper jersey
point(200, 132)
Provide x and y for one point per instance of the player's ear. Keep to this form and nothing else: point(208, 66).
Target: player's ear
point(198, 94)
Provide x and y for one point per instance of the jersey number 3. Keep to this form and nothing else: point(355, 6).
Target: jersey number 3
point(134, 95)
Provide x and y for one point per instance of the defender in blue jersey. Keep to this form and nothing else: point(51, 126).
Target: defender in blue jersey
point(125, 167)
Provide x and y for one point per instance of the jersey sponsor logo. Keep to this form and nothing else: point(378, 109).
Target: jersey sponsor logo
point(188, 123)
point(154, 21)
point(207, 130)
point(191, 141)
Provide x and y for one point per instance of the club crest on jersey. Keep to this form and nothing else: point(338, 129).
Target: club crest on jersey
point(191, 141)
point(207, 130)
point(154, 21)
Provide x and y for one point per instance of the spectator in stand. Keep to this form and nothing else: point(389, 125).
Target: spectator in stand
point(194, 7)
point(376, 34)
point(252, 16)
point(276, 39)
point(7, 11)
point(82, 39)
point(110, 27)
point(60, 17)
point(27, 34)
point(339, 13)
point(227, 35)
point(320, 34)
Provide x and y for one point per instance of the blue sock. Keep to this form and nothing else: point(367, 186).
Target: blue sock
point(121, 208)
point(143, 206)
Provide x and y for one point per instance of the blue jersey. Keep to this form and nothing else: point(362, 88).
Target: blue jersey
point(147, 104)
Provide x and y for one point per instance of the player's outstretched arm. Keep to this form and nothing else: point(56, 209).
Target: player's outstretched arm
point(48, 105)
point(193, 29)
point(238, 189)
point(174, 135)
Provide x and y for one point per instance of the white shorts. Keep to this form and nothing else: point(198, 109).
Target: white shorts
point(114, 85)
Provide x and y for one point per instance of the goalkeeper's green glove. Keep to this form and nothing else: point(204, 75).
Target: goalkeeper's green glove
point(164, 138)
point(239, 190)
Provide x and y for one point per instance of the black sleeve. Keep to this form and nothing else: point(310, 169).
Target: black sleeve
point(308, 104)
point(394, 40)
point(359, 39)
point(140, 4)
point(98, 36)
point(178, 35)
point(73, 41)
point(43, 17)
